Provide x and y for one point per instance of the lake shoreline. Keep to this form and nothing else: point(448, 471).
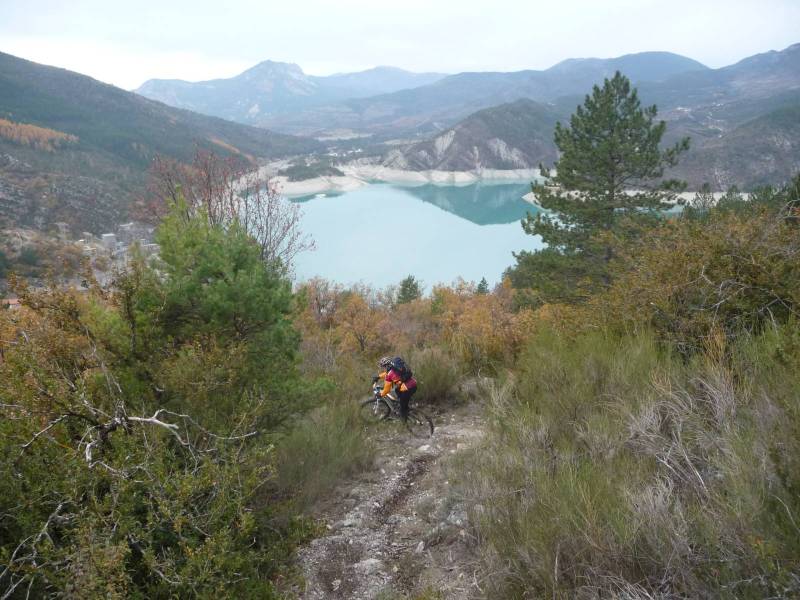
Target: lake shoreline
point(358, 176)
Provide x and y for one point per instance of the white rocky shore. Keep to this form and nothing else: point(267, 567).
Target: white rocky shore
point(681, 198)
point(356, 176)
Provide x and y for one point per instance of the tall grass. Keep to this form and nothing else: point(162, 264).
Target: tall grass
point(612, 469)
point(320, 452)
point(329, 444)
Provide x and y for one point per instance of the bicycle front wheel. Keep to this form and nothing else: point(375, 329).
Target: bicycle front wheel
point(419, 424)
point(374, 410)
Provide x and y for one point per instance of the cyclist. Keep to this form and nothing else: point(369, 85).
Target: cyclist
point(396, 374)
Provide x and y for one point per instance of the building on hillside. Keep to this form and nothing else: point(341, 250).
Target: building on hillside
point(130, 232)
point(10, 304)
point(109, 241)
point(150, 249)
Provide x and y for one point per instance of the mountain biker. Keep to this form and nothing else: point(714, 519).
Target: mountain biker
point(396, 374)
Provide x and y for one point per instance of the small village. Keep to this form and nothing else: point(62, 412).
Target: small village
point(107, 253)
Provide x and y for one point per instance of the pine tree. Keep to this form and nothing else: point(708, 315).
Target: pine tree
point(5, 264)
point(611, 165)
point(483, 287)
point(409, 290)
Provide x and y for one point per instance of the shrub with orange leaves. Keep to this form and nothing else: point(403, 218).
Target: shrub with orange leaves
point(481, 330)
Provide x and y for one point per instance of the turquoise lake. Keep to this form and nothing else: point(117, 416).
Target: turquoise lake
point(380, 233)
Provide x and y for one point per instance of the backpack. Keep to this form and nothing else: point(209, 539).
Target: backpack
point(399, 365)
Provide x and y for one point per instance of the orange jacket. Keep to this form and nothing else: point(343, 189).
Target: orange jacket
point(391, 380)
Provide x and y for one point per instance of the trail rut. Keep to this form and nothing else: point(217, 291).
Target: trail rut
point(397, 531)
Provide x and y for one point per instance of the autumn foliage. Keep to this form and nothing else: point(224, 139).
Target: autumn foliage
point(482, 331)
point(40, 138)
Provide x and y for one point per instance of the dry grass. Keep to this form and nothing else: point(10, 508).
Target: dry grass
point(612, 469)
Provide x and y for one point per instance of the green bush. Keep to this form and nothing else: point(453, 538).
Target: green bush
point(29, 256)
point(437, 373)
point(733, 272)
point(135, 427)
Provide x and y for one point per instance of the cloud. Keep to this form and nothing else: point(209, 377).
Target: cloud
point(128, 42)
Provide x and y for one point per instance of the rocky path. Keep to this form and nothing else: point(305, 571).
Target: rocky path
point(397, 531)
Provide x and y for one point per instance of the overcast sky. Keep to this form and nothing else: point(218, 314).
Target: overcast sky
point(127, 42)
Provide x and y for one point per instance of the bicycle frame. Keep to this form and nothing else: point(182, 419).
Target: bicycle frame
point(376, 389)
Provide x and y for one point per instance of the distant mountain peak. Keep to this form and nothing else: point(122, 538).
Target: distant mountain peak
point(639, 66)
point(271, 68)
point(271, 88)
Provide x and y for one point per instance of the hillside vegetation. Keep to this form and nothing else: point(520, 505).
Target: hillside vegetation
point(114, 135)
point(40, 138)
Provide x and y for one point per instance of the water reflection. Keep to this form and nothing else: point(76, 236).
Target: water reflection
point(380, 233)
point(482, 203)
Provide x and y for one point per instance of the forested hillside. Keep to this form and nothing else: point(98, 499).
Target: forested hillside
point(110, 138)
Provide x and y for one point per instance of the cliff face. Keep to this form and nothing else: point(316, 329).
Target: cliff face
point(518, 135)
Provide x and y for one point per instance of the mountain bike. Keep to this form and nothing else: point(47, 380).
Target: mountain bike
point(377, 409)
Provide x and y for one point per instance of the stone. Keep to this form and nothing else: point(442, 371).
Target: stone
point(369, 566)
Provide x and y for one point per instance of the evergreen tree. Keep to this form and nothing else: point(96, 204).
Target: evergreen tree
point(409, 290)
point(216, 295)
point(483, 287)
point(610, 166)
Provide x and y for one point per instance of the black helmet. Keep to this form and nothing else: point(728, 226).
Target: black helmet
point(385, 362)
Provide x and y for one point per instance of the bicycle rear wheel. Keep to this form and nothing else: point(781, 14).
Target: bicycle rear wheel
point(419, 424)
point(374, 410)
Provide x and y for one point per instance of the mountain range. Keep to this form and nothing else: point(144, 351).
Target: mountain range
point(496, 120)
point(740, 120)
point(275, 88)
point(440, 104)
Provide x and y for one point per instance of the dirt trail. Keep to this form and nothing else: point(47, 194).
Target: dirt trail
point(396, 530)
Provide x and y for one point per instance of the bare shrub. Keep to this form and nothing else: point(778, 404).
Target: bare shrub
point(224, 190)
